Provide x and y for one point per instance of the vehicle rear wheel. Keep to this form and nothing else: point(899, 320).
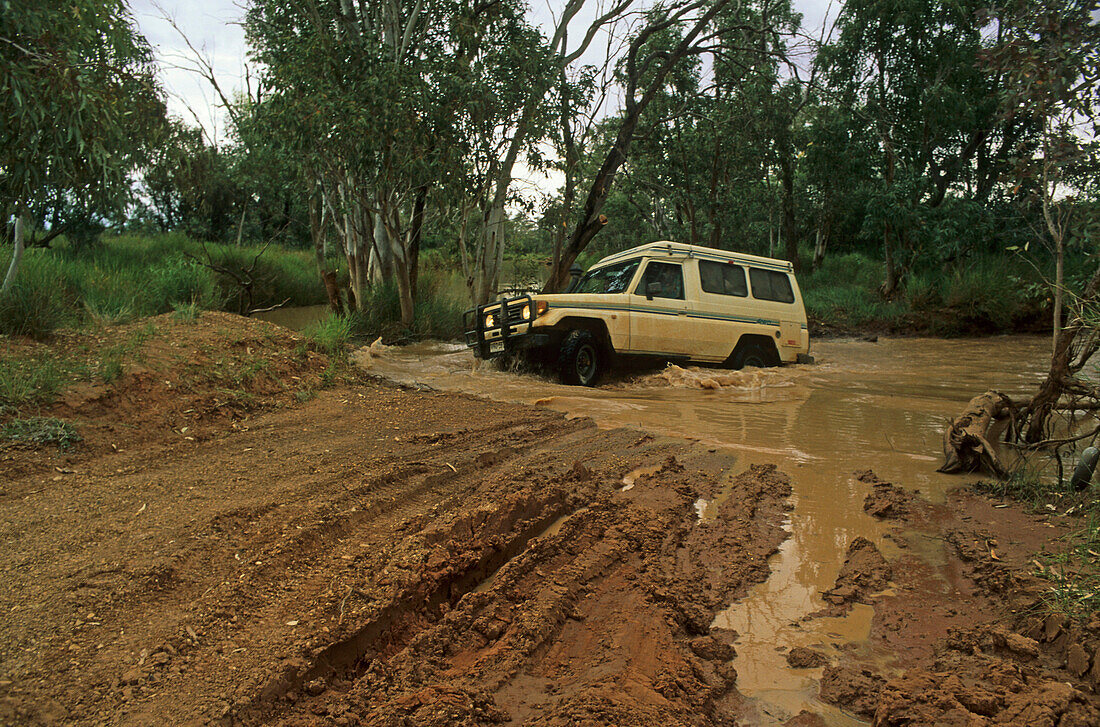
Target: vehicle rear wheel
point(753, 354)
point(579, 363)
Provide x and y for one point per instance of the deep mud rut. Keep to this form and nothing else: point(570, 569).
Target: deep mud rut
point(390, 553)
point(375, 555)
point(827, 616)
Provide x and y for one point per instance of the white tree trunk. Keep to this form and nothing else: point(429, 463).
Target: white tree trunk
point(17, 255)
point(1057, 232)
point(381, 252)
point(492, 255)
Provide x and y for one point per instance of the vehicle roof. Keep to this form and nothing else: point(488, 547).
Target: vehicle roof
point(667, 248)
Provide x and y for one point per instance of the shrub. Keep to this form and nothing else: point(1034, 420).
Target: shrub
point(437, 311)
point(922, 292)
point(985, 292)
point(178, 281)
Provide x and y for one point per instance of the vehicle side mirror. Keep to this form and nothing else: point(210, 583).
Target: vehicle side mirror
point(652, 290)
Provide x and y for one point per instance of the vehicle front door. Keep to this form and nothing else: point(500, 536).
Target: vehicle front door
point(658, 311)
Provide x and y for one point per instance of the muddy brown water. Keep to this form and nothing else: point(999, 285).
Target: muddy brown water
point(863, 405)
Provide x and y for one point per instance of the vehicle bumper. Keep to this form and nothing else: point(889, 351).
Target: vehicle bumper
point(804, 358)
point(512, 327)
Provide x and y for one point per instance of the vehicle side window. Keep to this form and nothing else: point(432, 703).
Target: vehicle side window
point(722, 278)
point(670, 276)
point(611, 279)
point(771, 285)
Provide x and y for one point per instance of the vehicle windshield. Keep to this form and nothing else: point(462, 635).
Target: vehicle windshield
point(610, 279)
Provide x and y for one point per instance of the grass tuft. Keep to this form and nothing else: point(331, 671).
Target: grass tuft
point(30, 380)
point(330, 335)
point(38, 302)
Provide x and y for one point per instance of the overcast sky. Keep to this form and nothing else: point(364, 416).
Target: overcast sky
point(213, 26)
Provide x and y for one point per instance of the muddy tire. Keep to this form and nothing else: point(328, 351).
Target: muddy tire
point(580, 362)
point(753, 354)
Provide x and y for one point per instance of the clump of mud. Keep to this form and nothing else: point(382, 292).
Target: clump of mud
point(865, 571)
point(978, 688)
point(802, 657)
point(852, 688)
point(886, 500)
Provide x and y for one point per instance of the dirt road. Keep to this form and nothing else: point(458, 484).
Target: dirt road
point(249, 534)
point(281, 552)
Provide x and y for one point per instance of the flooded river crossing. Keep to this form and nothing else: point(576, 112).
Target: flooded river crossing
point(863, 405)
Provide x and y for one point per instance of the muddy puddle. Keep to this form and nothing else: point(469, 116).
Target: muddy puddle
point(864, 405)
point(296, 318)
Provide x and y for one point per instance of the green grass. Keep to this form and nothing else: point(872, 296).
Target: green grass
point(187, 312)
point(40, 431)
point(39, 300)
point(1073, 568)
point(1026, 485)
point(980, 295)
point(30, 380)
point(331, 335)
point(438, 311)
point(1074, 573)
point(132, 276)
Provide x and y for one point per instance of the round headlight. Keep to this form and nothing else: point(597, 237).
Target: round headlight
point(490, 320)
point(526, 312)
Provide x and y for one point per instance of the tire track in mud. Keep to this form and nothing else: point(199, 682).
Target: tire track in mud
point(377, 554)
point(580, 594)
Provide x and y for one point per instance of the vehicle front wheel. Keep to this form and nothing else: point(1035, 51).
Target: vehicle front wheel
point(753, 354)
point(579, 362)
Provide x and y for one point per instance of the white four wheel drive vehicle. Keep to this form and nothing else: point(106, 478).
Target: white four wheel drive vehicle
point(663, 300)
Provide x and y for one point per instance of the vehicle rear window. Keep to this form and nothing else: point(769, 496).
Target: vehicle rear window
point(669, 275)
point(611, 279)
point(771, 285)
point(722, 278)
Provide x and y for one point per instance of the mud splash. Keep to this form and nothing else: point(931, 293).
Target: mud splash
point(878, 405)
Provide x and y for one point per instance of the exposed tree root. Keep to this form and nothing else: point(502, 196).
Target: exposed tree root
point(966, 446)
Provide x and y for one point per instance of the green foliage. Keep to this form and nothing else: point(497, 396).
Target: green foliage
point(1024, 484)
point(188, 312)
point(851, 307)
point(1074, 573)
point(40, 431)
point(986, 294)
point(79, 100)
point(179, 281)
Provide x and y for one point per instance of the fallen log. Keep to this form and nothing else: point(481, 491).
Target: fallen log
point(966, 446)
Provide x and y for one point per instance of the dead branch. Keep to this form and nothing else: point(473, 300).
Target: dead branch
point(270, 308)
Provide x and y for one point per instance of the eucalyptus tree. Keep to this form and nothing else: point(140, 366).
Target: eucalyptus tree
point(697, 28)
point(910, 70)
point(79, 103)
point(1050, 53)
